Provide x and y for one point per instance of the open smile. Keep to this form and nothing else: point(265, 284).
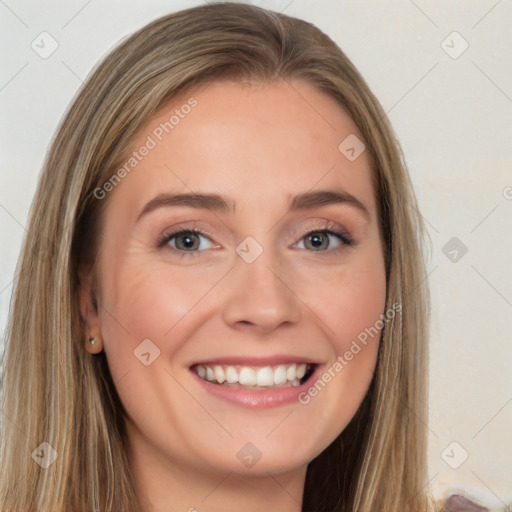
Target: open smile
point(256, 383)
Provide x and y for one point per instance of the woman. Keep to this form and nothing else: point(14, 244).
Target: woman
point(230, 308)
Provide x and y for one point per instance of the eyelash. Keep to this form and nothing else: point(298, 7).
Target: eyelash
point(167, 237)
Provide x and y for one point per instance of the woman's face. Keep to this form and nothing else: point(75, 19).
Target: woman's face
point(261, 293)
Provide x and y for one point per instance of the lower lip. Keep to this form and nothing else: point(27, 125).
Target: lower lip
point(258, 398)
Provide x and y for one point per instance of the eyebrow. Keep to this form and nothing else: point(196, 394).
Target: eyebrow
point(219, 203)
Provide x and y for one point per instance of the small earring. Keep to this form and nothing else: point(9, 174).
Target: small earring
point(92, 341)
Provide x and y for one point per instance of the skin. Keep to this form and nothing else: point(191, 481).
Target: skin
point(258, 145)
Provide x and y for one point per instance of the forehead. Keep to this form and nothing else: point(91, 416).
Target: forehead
point(256, 141)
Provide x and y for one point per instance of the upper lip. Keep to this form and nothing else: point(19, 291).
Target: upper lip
point(256, 361)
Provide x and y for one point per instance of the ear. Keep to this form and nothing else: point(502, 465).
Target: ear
point(89, 310)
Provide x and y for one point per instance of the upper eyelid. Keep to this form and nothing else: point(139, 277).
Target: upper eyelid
point(310, 223)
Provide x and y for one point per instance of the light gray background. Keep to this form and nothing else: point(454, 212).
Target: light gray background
point(453, 118)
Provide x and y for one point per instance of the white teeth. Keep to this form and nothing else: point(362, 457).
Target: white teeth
point(291, 372)
point(231, 375)
point(280, 374)
point(267, 376)
point(218, 371)
point(247, 377)
point(201, 371)
point(301, 371)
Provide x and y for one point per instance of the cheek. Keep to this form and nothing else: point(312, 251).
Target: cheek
point(152, 300)
point(356, 304)
point(142, 301)
point(350, 299)
point(351, 305)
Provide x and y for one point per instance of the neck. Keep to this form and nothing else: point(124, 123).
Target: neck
point(164, 485)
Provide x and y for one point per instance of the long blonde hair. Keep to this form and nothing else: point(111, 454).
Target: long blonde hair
point(54, 391)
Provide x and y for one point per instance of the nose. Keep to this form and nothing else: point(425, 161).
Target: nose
point(260, 294)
